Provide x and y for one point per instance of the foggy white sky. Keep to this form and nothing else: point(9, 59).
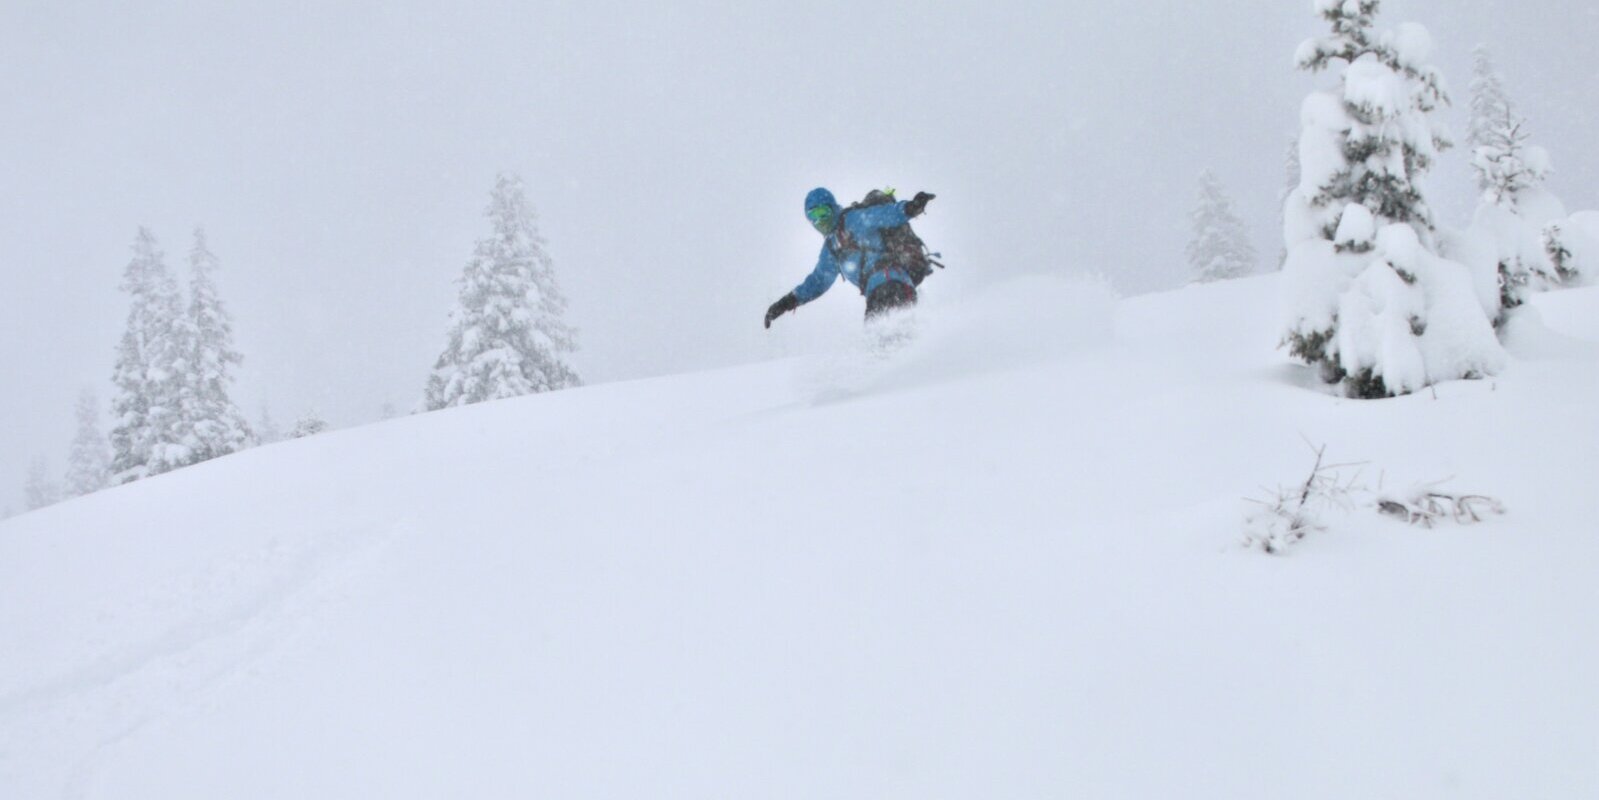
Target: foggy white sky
point(340, 155)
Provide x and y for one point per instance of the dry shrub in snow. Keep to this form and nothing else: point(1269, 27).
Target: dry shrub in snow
point(1291, 513)
point(1427, 507)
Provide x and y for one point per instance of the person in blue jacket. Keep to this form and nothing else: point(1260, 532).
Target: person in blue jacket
point(863, 247)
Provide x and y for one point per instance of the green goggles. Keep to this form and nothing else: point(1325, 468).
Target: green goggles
point(820, 216)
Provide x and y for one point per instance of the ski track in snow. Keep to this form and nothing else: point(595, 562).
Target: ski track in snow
point(129, 690)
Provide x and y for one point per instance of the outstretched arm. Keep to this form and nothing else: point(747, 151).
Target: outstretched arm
point(890, 215)
point(816, 284)
point(821, 279)
point(874, 218)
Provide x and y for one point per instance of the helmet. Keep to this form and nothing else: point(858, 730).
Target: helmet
point(822, 210)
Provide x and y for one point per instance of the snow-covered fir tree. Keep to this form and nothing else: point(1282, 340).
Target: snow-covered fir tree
point(266, 428)
point(151, 371)
point(1515, 209)
point(89, 463)
point(1506, 166)
point(42, 489)
point(1572, 245)
point(1220, 249)
point(1490, 107)
point(1382, 118)
point(1372, 304)
point(1539, 246)
point(506, 336)
point(309, 424)
point(1291, 171)
point(213, 424)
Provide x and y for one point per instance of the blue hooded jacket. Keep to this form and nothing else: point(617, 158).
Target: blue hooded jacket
point(864, 228)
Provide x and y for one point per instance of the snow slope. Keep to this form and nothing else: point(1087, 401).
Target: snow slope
point(1001, 563)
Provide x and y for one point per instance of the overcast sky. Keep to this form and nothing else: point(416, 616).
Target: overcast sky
point(340, 154)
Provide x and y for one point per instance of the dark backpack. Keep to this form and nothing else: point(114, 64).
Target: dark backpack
point(902, 248)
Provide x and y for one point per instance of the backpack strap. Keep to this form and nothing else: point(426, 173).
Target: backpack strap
point(907, 256)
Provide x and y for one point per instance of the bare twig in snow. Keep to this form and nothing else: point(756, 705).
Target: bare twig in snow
point(1426, 507)
point(1289, 515)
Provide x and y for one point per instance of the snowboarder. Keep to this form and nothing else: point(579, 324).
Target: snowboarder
point(869, 244)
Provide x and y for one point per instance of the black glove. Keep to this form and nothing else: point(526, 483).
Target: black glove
point(788, 303)
point(916, 205)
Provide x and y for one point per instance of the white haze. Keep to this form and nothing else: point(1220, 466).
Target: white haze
point(340, 155)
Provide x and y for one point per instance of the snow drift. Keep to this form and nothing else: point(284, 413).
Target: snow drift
point(1002, 565)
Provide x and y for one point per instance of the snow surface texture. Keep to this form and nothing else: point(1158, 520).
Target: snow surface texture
point(1004, 563)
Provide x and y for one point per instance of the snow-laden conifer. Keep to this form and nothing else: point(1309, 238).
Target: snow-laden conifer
point(266, 428)
point(1490, 107)
point(1220, 248)
point(214, 426)
point(1514, 210)
point(309, 424)
point(1291, 173)
point(1573, 247)
point(506, 336)
point(42, 489)
point(1381, 122)
point(1508, 169)
point(1538, 245)
point(151, 371)
point(1372, 304)
point(89, 463)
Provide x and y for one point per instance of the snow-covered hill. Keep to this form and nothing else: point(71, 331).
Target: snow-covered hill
point(1003, 562)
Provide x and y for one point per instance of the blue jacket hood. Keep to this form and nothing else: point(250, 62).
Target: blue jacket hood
point(820, 197)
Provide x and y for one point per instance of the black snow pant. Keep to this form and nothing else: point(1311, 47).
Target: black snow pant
point(888, 297)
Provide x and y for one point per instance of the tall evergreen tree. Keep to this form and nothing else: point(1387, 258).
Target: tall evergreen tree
point(41, 489)
point(1489, 104)
point(1388, 139)
point(1510, 173)
point(151, 371)
point(214, 425)
point(1291, 172)
point(1505, 164)
point(506, 335)
point(266, 429)
point(1368, 283)
point(89, 464)
point(1220, 249)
